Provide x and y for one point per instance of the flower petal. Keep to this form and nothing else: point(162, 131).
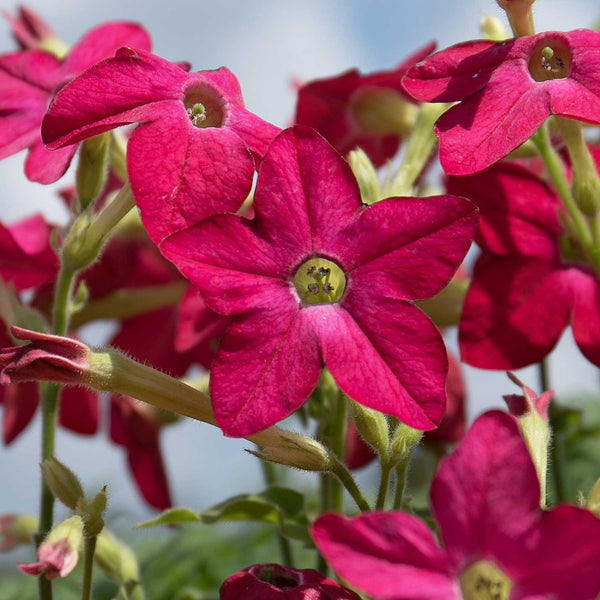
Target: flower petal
point(585, 320)
point(388, 555)
point(267, 365)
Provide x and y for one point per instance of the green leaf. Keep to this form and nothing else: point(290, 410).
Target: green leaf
point(172, 516)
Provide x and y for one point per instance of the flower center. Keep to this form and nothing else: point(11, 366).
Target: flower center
point(204, 106)
point(277, 576)
point(319, 281)
point(483, 580)
point(550, 61)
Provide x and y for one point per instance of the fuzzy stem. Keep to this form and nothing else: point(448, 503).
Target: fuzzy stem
point(384, 483)
point(401, 476)
point(89, 547)
point(342, 473)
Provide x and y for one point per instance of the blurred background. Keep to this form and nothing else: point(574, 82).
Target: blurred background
point(269, 45)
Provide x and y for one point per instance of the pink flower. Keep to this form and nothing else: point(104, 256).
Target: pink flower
point(29, 79)
point(275, 582)
point(506, 91)
point(336, 107)
point(190, 157)
point(318, 279)
point(496, 539)
point(530, 281)
point(529, 402)
point(28, 28)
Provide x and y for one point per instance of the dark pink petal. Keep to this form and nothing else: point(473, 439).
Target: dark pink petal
point(490, 124)
point(267, 365)
point(573, 100)
point(78, 410)
point(256, 133)
point(563, 549)
point(514, 312)
point(519, 212)
point(26, 257)
point(19, 403)
point(102, 42)
point(388, 555)
point(485, 496)
point(457, 72)
point(234, 270)
point(181, 174)
point(585, 319)
point(150, 475)
point(385, 354)
point(357, 453)
point(33, 68)
point(47, 166)
point(28, 28)
point(305, 184)
point(109, 94)
point(407, 247)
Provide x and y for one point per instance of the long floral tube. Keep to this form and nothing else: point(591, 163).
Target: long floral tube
point(67, 361)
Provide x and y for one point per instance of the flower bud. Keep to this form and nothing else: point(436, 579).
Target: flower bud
point(404, 440)
point(91, 511)
point(16, 530)
point(92, 169)
point(63, 483)
point(117, 560)
point(59, 552)
point(275, 582)
point(372, 427)
point(531, 413)
point(492, 29)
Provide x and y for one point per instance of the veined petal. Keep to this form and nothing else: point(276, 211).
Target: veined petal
point(388, 555)
point(35, 68)
point(485, 495)
point(256, 133)
point(305, 193)
point(386, 355)
point(267, 365)
point(514, 312)
point(234, 270)
point(585, 319)
point(125, 89)
point(181, 174)
point(102, 42)
point(408, 248)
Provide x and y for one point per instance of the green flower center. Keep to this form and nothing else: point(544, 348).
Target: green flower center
point(319, 281)
point(483, 580)
point(204, 107)
point(550, 61)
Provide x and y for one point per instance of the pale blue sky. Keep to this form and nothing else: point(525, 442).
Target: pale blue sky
point(266, 44)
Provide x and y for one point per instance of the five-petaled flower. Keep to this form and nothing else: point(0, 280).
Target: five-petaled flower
point(317, 278)
point(192, 154)
point(507, 90)
point(497, 542)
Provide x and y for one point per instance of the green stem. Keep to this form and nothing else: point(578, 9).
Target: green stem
point(337, 439)
point(401, 476)
point(557, 174)
point(89, 547)
point(383, 483)
point(285, 549)
point(342, 473)
point(62, 298)
point(417, 151)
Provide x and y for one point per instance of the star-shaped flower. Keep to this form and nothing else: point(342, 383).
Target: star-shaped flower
point(317, 278)
point(497, 542)
point(506, 91)
point(192, 154)
point(29, 79)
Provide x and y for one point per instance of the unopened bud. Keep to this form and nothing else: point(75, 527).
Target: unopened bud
point(372, 427)
point(91, 511)
point(404, 441)
point(16, 530)
point(92, 169)
point(63, 483)
point(295, 450)
point(492, 29)
point(366, 176)
point(116, 559)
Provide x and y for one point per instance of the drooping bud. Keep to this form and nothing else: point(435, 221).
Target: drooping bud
point(119, 563)
point(59, 552)
point(531, 413)
point(63, 483)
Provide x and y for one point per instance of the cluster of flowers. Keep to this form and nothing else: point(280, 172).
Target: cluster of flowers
point(314, 267)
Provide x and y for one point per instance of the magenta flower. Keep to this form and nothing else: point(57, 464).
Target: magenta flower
point(190, 157)
point(507, 90)
point(317, 278)
point(29, 79)
point(28, 28)
point(275, 582)
point(497, 542)
point(353, 110)
point(530, 281)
